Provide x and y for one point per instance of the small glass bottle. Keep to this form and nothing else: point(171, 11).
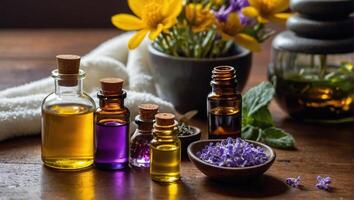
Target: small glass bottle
point(224, 104)
point(68, 119)
point(140, 141)
point(112, 126)
point(165, 149)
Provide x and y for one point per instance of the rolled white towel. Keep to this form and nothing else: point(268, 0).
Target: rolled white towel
point(20, 106)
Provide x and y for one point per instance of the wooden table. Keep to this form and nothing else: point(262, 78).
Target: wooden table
point(27, 55)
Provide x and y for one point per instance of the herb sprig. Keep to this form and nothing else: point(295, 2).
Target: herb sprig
point(257, 121)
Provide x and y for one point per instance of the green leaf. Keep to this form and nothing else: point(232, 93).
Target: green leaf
point(257, 97)
point(262, 118)
point(278, 138)
point(251, 133)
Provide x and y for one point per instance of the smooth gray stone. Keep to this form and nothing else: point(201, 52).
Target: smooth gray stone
point(289, 41)
point(323, 8)
point(306, 27)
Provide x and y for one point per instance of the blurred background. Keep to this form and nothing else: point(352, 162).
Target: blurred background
point(59, 14)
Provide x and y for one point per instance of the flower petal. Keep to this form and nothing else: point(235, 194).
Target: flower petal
point(154, 33)
point(169, 22)
point(174, 8)
point(255, 3)
point(250, 12)
point(136, 6)
point(248, 42)
point(280, 17)
point(127, 22)
point(137, 38)
point(279, 5)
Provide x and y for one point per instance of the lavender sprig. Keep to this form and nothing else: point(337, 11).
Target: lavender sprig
point(293, 182)
point(233, 153)
point(323, 182)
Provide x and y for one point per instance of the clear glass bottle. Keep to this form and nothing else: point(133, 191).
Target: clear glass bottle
point(112, 126)
point(224, 104)
point(165, 149)
point(68, 119)
point(140, 141)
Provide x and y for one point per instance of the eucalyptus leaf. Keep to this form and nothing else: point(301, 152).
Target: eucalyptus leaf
point(278, 138)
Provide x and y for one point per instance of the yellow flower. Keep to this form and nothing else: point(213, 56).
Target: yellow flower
point(217, 2)
point(152, 16)
point(232, 29)
point(267, 10)
point(199, 18)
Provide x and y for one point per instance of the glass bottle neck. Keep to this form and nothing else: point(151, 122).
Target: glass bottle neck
point(165, 132)
point(111, 102)
point(144, 126)
point(224, 88)
point(68, 89)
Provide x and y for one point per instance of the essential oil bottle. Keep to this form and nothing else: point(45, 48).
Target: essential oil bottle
point(165, 149)
point(68, 119)
point(224, 104)
point(112, 126)
point(140, 141)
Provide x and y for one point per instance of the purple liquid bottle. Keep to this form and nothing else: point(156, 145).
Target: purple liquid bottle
point(112, 145)
point(112, 126)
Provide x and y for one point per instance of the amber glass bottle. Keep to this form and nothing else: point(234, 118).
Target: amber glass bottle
point(68, 119)
point(140, 141)
point(165, 149)
point(224, 104)
point(112, 126)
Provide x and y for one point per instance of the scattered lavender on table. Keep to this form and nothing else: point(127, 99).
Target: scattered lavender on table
point(323, 183)
point(293, 182)
point(233, 153)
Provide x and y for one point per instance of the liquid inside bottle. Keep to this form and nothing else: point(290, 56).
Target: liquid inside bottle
point(165, 165)
point(68, 139)
point(111, 144)
point(224, 122)
point(165, 150)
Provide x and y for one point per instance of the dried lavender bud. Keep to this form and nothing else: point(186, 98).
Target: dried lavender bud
point(184, 130)
point(323, 183)
point(293, 182)
point(233, 153)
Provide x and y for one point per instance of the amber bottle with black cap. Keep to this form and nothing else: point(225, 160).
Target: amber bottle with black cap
point(224, 104)
point(68, 119)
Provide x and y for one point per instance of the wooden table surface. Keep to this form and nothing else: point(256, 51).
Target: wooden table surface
point(27, 55)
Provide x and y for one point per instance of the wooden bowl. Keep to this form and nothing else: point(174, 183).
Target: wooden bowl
point(188, 139)
point(229, 174)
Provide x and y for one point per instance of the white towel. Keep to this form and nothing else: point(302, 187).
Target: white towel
point(20, 111)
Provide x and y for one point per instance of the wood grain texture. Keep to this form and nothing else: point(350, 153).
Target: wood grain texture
point(27, 55)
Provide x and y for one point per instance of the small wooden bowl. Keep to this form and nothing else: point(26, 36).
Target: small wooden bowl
point(188, 139)
point(229, 174)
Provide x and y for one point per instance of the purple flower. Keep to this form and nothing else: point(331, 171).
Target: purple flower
point(237, 5)
point(233, 153)
point(293, 182)
point(323, 183)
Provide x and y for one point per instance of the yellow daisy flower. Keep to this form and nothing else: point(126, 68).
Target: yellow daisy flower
point(199, 18)
point(232, 29)
point(152, 16)
point(267, 10)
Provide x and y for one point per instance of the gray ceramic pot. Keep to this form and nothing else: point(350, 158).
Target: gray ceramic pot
point(186, 81)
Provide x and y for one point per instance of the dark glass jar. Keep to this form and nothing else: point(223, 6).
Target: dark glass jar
point(224, 104)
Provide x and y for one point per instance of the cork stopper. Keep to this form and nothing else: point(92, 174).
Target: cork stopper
point(111, 86)
point(148, 111)
point(165, 119)
point(68, 64)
